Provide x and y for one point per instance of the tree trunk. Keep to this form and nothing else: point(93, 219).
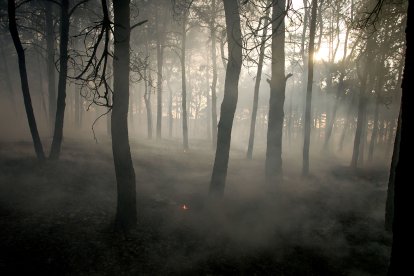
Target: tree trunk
point(402, 231)
point(389, 207)
point(147, 100)
point(170, 113)
point(24, 82)
point(274, 172)
point(306, 144)
point(214, 81)
point(160, 60)
point(228, 107)
point(50, 49)
point(208, 107)
point(184, 84)
point(257, 84)
point(126, 213)
point(63, 65)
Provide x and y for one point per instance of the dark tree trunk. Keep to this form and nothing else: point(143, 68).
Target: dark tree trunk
point(63, 65)
point(214, 81)
point(50, 49)
point(274, 172)
point(184, 84)
point(24, 82)
point(307, 130)
point(257, 84)
point(401, 261)
point(126, 213)
point(389, 207)
point(228, 107)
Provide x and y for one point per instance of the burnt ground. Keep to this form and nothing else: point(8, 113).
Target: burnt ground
point(56, 217)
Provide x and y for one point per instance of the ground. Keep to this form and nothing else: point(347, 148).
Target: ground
point(56, 217)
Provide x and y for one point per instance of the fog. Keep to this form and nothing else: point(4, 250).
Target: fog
point(184, 209)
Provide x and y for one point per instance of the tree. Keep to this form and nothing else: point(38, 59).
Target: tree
point(126, 215)
point(63, 70)
point(306, 144)
point(24, 82)
point(214, 80)
point(400, 261)
point(228, 106)
point(257, 83)
point(184, 79)
point(277, 95)
point(160, 60)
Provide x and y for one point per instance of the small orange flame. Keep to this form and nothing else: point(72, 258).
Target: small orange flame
point(184, 207)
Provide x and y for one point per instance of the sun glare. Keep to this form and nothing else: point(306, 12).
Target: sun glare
point(321, 54)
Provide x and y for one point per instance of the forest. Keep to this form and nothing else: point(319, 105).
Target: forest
point(204, 137)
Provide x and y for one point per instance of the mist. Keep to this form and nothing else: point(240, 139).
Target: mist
point(199, 137)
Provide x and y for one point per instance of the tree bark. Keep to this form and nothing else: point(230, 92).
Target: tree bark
point(63, 65)
point(160, 60)
point(274, 172)
point(214, 81)
point(184, 83)
point(228, 107)
point(126, 213)
point(306, 144)
point(401, 262)
point(257, 84)
point(24, 82)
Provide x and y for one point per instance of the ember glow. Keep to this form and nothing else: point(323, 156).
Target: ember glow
point(184, 207)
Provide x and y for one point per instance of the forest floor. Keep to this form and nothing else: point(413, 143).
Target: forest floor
point(56, 217)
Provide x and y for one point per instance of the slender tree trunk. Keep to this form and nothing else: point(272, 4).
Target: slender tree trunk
point(228, 107)
point(50, 49)
point(257, 83)
point(160, 60)
point(24, 82)
point(389, 207)
point(208, 107)
point(110, 102)
point(170, 113)
point(274, 172)
point(184, 84)
point(306, 144)
point(147, 99)
point(126, 214)
point(63, 65)
point(214, 81)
